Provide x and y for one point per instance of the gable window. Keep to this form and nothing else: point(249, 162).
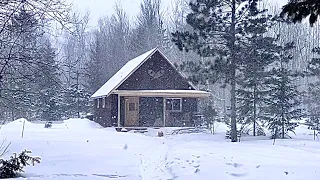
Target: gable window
point(174, 104)
point(103, 102)
point(97, 103)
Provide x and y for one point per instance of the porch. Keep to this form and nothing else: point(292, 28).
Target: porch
point(157, 108)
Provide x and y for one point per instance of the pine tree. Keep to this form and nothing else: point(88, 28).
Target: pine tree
point(217, 32)
point(299, 10)
point(32, 81)
point(312, 101)
point(18, 86)
point(47, 86)
point(313, 97)
point(284, 104)
point(258, 53)
point(74, 68)
point(95, 67)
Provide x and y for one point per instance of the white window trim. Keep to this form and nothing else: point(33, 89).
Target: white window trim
point(180, 109)
point(98, 104)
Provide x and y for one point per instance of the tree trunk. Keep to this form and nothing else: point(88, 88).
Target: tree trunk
point(254, 110)
point(282, 100)
point(233, 73)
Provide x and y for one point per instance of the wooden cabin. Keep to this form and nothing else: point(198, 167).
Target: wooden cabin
point(148, 91)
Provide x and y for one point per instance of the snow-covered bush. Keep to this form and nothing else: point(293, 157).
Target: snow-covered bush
point(247, 130)
point(10, 168)
point(48, 124)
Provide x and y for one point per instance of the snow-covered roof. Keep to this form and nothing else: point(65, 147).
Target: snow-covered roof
point(129, 68)
point(163, 93)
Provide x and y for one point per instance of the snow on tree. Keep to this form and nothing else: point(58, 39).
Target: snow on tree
point(259, 52)
point(313, 93)
point(217, 33)
point(284, 100)
point(298, 10)
point(25, 47)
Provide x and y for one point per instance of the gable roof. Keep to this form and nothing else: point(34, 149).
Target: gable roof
point(127, 70)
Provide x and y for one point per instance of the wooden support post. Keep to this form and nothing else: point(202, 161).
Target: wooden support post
point(119, 108)
point(24, 122)
point(164, 112)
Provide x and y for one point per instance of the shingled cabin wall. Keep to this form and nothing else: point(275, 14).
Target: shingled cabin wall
point(104, 113)
point(142, 78)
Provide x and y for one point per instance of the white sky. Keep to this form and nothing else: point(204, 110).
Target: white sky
point(100, 8)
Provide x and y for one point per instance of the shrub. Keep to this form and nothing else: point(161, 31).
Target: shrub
point(10, 168)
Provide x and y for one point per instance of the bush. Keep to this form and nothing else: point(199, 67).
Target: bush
point(48, 124)
point(10, 168)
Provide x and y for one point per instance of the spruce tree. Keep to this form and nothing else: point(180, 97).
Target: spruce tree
point(217, 32)
point(47, 85)
point(298, 10)
point(258, 53)
point(313, 106)
point(284, 99)
point(313, 92)
point(18, 82)
point(31, 82)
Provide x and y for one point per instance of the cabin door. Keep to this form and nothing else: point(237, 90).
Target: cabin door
point(132, 111)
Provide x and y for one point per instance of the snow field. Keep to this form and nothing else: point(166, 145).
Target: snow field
point(81, 149)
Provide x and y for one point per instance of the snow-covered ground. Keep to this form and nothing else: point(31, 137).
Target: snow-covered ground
point(80, 149)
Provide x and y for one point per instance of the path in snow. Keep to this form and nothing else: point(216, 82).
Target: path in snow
point(154, 161)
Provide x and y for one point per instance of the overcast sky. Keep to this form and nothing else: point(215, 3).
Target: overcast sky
point(99, 8)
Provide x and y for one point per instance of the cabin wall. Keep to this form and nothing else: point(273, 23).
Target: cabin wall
point(114, 109)
point(122, 111)
point(151, 112)
point(156, 73)
point(185, 117)
point(102, 114)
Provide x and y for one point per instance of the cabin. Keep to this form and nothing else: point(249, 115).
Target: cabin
point(148, 91)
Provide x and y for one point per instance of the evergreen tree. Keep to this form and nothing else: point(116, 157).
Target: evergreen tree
point(75, 98)
point(297, 10)
point(313, 97)
point(258, 53)
point(18, 86)
point(32, 82)
point(47, 86)
point(217, 32)
point(312, 101)
point(284, 104)
point(94, 68)
point(22, 26)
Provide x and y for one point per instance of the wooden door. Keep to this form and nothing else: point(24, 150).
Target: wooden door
point(131, 111)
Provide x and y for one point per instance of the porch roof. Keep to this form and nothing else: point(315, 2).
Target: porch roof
point(163, 93)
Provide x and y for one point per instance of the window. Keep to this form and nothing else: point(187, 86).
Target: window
point(98, 104)
point(103, 102)
point(174, 104)
point(132, 106)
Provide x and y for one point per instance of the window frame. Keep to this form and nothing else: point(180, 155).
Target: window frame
point(172, 104)
point(103, 102)
point(135, 107)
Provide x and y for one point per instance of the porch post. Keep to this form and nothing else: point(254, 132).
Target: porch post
point(164, 112)
point(119, 108)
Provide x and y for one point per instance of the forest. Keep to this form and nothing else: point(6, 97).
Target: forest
point(261, 68)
